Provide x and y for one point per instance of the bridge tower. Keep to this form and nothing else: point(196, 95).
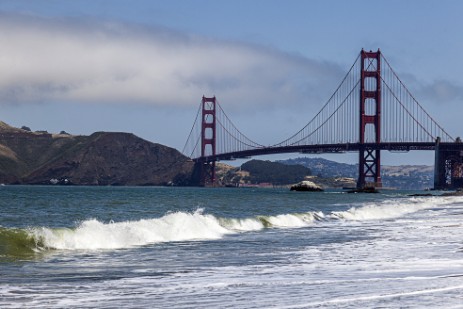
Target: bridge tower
point(370, 119)
point(208, 141)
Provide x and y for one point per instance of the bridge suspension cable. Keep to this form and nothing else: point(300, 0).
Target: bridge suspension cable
point(337, 121)
point(192, 144)
point(402, 118)
point(228, 138)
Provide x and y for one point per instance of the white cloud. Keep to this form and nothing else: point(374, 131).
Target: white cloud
point(442, 91)
point(433, 93)
point(81, 60)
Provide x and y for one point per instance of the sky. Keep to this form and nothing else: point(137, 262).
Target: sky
point(143, 66)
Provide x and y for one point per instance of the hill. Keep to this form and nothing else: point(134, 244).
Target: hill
point(274, 172)
point(103, 158)
point(412, 177)
point(267, 173)
point(258, 172)
point(325, 168)
point(115, 158)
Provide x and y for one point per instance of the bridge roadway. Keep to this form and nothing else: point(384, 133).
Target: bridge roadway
point(331, 148)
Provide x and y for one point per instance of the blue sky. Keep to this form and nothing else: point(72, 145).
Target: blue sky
point(143, 66)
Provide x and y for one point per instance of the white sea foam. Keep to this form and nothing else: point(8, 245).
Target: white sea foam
point(178, 226)
point(93, 234)
point(183, 226)
point(389, 209)
point(414, 262)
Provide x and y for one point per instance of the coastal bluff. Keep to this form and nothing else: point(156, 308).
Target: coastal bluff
point(103, 158)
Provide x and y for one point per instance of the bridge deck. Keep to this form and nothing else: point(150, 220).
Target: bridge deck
point(329, 148)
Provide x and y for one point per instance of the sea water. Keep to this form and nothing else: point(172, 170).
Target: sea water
point(148, 247)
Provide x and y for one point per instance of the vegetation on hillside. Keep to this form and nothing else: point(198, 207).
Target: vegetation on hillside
point(103, 158)
point(274, 172)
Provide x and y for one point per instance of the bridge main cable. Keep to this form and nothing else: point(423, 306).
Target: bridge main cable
point(370, 110)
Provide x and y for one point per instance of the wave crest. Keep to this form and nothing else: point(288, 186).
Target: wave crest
point(93, 234)
point(188, 226)
point(386, 210)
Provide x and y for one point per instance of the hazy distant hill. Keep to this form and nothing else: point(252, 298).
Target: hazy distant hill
point(403, 176)
point(325, 168)
point(103, 158)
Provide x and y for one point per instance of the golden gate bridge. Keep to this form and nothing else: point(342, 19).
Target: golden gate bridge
point(370, 111)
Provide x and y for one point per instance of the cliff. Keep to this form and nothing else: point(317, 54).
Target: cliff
point(103, 158)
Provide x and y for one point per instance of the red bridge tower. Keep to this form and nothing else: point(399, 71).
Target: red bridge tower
point(208, 141)
point(370, 119)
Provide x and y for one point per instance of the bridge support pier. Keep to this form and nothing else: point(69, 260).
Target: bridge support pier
point(204, 174)
point(369, 168)
point(448, 167)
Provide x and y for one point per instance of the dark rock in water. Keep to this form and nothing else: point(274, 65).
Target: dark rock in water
point(456, 193)
point(364, 190)
point(306, 186)
point(421, 194)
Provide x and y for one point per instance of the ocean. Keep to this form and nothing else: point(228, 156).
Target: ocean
point(156, 247)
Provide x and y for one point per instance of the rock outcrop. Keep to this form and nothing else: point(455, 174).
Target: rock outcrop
point(306, 185)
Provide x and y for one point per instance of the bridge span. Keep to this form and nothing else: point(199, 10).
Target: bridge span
point(371, 111)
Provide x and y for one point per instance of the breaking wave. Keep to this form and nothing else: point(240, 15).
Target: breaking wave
point(390, 209)
point(185, 226)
